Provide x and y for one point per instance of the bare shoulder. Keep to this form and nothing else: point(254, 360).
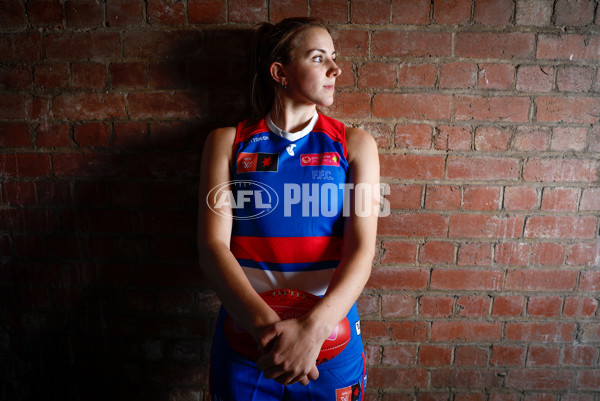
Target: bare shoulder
point(360, 144)
point(220, 140)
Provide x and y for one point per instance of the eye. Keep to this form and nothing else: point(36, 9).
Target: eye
point(318, 59)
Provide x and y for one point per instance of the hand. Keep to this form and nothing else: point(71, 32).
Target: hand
point(289, 351)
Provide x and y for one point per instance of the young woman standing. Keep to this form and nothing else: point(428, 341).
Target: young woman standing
point(313, 239)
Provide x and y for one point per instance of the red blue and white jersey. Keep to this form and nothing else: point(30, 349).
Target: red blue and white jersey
point(288, 204)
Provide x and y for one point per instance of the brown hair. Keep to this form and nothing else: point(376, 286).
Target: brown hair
point(273, 43)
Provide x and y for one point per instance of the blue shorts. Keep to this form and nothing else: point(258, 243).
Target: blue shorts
point(235, 378)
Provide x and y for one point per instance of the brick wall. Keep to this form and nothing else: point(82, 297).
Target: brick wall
point(487, 114)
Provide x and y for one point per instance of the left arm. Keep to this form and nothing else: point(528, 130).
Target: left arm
point(360, 230)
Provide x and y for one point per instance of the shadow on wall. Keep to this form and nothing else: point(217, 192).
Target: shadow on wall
point(105, 298)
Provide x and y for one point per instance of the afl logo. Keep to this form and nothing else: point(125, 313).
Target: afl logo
point(242, 199)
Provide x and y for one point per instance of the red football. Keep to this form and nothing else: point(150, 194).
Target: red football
point(288, 304)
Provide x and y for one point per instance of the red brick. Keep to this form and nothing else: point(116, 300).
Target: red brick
point(493, 12)
point(92, 134)
point(437, 252)
point(166, 12)
point(54, 135)
point(574, 79)
point(496, 76)
point(414, 225)
point(550, 332)
point(540, 280)
point(472, 306)
point(19, 193)
point(412, 166)
point(51, 76)
point(481, 198)
point(466, 280)
point(13, 14)
point(458, 75)
point(412, 106)
point(580, 307)
point(539, 379)
point(165, 105)
point(96, 45)
point(459, 331)
point(347, 78)
point(398, 278)
point(448, 137)
point(560, 170)
point(88, 106)
point(474, 254)
point(399, 252)
point(330, 11)
point(463, 378)
point(207, 11)
point(543, 356)
point(399, 355)
point(24, 165)
point(378, 75)
point(398, 306)
point(508, 305)
point(351, 42)
point(468, 355)
point(53, 193)
point(580, 110)
point(580, 355)
point(496, 109)
point(404, 331)
point(370, 12)
point(411, 44)
point(168, 75)
point(15, 77)
point(507, 355)
point(547, 254)
point(512, 254)
point(533, 78)
point(123, 12)
point(588, 380)
point(569, 139)
point(84, 13)
point(583, 254)
point(397, 378)
point(574, 13)
point(415, 12)
point(350, 105)
point(14, 106)
point(491, 139)
point(590, 332)
point(482, 168)
point(20, 47)
point(534, 12)
point(484, 226)
point(560, 199)
point(417, 75)
point(531, 138)
point(442, 197)
point(590, 280)
point(381, 132)
point(14, 135)
point(88, 75)
point(494, 45)
point(435, 306)
point(451, 12)
point(129, 75)
point(247, 11)
point(182, 44)
point(435, 355)
point(130, 135)
point(405, 196)
point(573, 47)
point(544, 306)
point(413, 136)
point(561, 227)
point(28, 220)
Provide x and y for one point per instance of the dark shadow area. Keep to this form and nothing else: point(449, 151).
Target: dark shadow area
point(104, 298)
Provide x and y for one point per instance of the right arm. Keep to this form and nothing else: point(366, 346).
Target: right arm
point(220, 267)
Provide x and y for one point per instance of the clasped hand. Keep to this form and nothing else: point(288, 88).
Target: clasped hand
point(289, 350)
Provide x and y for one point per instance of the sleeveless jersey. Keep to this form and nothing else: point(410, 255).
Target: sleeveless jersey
point(288, 205)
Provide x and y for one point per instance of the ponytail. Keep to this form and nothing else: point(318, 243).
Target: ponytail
point(273, 43)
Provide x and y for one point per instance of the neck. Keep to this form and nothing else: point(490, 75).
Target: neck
point(292, 119)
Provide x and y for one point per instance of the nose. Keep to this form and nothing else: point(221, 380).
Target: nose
point(334, 70)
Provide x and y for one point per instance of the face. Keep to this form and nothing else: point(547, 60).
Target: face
point(311, 73)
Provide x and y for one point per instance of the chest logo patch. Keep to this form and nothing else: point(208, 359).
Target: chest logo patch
point(250, 162)
point(320, 159)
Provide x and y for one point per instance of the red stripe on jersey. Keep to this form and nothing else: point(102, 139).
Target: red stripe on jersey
point(287, 249)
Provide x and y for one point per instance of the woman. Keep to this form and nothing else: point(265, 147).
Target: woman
point(312, 239)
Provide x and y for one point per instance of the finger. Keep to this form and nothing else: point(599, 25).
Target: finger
point(314, 373)
point(267, 337)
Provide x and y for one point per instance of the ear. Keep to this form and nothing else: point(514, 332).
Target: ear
point(278, 73)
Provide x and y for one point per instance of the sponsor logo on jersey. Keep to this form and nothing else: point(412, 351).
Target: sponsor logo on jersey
point(350, 393)
point(320, 159)
point(251, 162)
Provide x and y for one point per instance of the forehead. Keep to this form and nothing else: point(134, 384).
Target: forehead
point(314, 38)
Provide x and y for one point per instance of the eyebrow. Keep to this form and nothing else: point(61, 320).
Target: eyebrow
point(322, 51)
